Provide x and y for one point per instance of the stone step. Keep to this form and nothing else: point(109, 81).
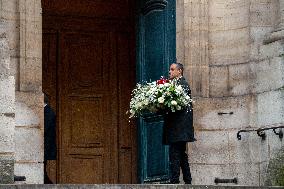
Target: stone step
point(129, 186)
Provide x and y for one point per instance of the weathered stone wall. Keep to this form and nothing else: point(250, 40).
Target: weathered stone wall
point(7, 109)
point(231, 70)
point(24, 32)
point(29, 98)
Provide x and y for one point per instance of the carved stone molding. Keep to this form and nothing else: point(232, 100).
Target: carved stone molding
point(154, 5)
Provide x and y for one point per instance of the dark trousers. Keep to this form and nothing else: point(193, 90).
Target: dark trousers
point(46, 178)
point(179, 159)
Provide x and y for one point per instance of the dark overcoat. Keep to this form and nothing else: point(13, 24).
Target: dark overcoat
point(49, 134)
point(178, 126)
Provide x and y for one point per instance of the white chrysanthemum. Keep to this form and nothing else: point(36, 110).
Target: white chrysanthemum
point(166, 84)
point(146, 102)
point(161, 100)
point(139, 105)
point(173, 102)
point(178, 107)
point(179, 89)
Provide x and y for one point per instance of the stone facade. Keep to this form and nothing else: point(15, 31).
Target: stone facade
point(21, 95)
point(7, 110)
point(234, 63)
point(233, 56)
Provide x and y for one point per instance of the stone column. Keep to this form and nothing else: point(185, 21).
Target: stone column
point(278, 33)
point(7, 110)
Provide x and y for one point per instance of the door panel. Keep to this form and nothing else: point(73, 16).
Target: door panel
point(155, 155)
point(82, 164)
point(156, 50)
point(88, 98)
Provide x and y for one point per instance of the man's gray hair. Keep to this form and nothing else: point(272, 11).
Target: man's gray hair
point(179, 66)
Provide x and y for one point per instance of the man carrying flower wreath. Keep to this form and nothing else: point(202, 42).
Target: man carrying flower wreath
point(178, 130)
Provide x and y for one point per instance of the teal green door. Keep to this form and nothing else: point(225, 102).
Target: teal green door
point(156, 49)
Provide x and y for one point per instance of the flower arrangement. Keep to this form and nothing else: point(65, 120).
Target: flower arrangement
point(162, 95)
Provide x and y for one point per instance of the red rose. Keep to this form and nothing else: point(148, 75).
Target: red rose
point(162, 81)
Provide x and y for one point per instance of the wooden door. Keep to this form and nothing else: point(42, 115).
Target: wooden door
point(95, 72)
point(156, 50)
point(88, 105)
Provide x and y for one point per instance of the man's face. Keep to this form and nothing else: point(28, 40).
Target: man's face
point(174, 72)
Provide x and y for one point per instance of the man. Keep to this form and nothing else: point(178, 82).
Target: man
point(49, 137)
point(178, 130)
